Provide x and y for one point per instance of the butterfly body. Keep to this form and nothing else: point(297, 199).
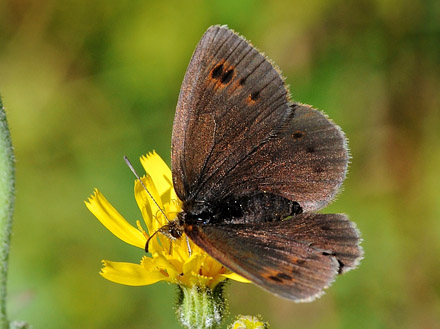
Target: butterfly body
point(255, 207)
point(251, 167)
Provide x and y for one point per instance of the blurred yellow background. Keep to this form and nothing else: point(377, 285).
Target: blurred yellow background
point(86, 82)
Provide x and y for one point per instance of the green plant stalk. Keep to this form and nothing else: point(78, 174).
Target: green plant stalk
point(7, 198)
point(200, 307)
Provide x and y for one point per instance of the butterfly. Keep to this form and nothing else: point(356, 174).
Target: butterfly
point(252, 167)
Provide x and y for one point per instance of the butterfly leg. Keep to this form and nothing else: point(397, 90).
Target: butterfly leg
point(189, 247)
point(171, 248)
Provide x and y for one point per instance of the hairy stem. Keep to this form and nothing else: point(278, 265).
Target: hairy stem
point(7, 198)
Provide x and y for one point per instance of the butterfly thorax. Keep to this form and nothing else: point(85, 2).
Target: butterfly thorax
point(253, 207)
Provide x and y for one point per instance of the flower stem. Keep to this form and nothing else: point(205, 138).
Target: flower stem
point(200, 307)
point(7, 198)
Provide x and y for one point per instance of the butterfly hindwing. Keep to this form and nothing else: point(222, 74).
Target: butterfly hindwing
point(236, 131)
point(304, 161)
point(283, 257)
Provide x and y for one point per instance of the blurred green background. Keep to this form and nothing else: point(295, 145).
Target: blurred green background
point(86, 82)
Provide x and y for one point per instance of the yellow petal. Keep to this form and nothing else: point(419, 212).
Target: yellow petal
point(194, 262)
point(146, 204)
point(211, 267)
point(173, 195)
point(130, 274)
point(171, 266)
point(235, 277)
point(157, 168)
point(113, 221)
point(151, 213)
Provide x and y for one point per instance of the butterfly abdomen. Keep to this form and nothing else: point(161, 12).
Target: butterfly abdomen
point(254, 207)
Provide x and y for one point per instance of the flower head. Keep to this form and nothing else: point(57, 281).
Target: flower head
point(248, 322)
point(170, 260)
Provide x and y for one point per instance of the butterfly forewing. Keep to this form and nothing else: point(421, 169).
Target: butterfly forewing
point(218, 100)
point(235, 130)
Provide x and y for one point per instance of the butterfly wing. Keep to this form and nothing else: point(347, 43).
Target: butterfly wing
point(295, 259)
point(236, 131)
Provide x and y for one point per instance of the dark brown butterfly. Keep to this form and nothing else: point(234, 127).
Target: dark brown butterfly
point(251, 168)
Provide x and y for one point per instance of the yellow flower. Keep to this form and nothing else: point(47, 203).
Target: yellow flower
point(170, 260)
point(248, 322)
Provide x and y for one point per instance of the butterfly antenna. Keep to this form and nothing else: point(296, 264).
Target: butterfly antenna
point(148, 241)
point(145, 188)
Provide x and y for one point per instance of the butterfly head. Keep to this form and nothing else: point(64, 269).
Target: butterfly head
point(173, 230)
